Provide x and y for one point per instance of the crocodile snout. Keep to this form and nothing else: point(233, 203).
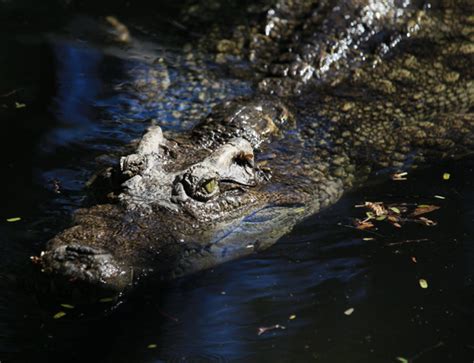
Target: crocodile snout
point(84, 265)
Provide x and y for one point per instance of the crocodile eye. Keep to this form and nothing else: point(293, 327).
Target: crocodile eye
point(206, 190)
point(210, 186)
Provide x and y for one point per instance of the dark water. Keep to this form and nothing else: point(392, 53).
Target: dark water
point(74, 114)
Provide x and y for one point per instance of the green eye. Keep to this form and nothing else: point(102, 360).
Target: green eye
point(210, 186)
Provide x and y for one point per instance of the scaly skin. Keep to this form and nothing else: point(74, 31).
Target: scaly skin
point(252, 169)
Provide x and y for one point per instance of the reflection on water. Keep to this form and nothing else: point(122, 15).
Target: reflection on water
point(305, 283)
point(78, 85)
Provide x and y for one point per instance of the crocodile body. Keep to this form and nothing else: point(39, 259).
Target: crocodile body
point(344, 90)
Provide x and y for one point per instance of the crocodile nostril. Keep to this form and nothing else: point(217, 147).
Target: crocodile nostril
point(84, 250)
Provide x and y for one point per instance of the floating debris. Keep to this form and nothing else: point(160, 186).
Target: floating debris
point(56, 185)
point(424, 208)
point(446, 176)
point(165, 314)
point(349, 311)
point(59, 315)
point(427, 222)
point(400, 176)
point(363, 224)
point(377, 207)
point(152, 346)
point(423, 283)
point(8, 94)
point(107, 299)
point(35, 259)
point(67, 306)
point(292, 317)
point(408, 241)
point(14, 219)
point(395, 210)
point(439, 197)
point(395, 214)
point(19, 105)
point(402, 360)
point(264, 329)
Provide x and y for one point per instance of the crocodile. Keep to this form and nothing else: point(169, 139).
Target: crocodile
point(345, 91)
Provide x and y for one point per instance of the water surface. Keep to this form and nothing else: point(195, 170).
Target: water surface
point(62, 112)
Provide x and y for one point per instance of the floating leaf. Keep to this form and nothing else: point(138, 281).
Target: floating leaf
point(59, 315)
point(349, 311)
point(446, 176)
point(402, 360)
point(106, 299)
point(413, 258)
point(395, 210)
point(292, 317)
point(67, 306)
point(14, 219)
point(439, 197)
point(364, 225)
point(393, 218)
point(381, 218)
point(424, 208)
point(368, 239)
point(152, 346)
point(423, 283)
point(19, 105)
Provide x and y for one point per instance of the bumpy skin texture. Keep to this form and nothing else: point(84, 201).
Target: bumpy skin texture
point(345, 90)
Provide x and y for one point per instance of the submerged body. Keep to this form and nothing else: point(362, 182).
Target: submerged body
point(345, 90)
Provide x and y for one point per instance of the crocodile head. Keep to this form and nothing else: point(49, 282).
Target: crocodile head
point(185, 203)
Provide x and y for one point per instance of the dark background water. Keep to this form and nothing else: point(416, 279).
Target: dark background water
point(73, 115)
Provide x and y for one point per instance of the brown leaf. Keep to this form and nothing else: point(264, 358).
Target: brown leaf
point(363, 224)
point(393, 218)
point(424, 208)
